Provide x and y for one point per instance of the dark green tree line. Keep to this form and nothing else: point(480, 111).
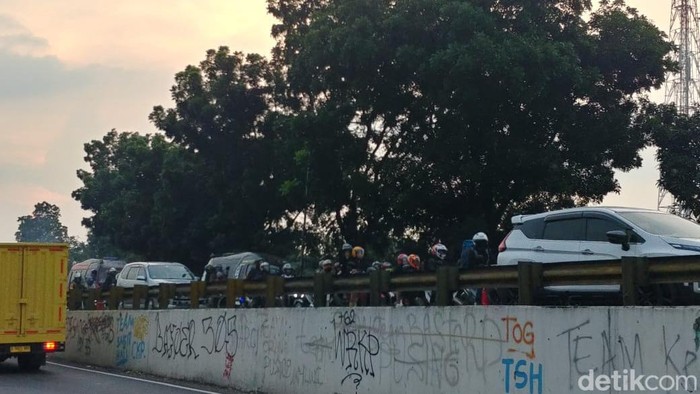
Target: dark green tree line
point(378, 121)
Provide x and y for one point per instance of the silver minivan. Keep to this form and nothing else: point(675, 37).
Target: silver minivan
point(598, 233)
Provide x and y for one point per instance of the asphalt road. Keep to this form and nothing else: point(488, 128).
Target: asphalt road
point(59, 377)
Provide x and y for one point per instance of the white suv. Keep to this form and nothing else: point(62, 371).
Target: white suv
point(153, 274)
point(597, 233)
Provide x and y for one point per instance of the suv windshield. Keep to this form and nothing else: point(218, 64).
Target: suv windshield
point(170, 271)
point(664, 224)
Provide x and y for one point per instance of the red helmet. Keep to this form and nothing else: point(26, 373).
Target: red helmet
point(414, 261)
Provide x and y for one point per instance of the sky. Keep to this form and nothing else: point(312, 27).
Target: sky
point(72, 70)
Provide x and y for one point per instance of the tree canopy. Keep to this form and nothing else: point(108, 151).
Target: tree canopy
point(380, 121)
point(43, 225)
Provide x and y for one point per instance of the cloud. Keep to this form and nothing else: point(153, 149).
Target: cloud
point(26, 69)
point(16, 38)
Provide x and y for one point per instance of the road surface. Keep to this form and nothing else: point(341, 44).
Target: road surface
point(59, 377)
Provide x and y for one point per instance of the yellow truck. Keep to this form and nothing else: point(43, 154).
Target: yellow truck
point(32, 301)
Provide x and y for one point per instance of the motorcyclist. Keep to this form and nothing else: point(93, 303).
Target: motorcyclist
point(438, 256)
point(386, 266)
point(356, 265)
point(479, 255)
point(92, 281)
point(287, 271)
point(256, 273)
point(110, 280)
point(77, 282)
point(344, 258)
point(402, 262)
point(408, 265)
point(209, 273)
point(325, 266)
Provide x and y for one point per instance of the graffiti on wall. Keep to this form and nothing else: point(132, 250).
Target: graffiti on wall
point(175, 339)
point(131, 338)
point(91, 331)
point(356, 348)
point(496, 349)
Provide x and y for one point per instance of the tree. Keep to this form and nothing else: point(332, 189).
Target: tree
point(221, 118)
point(431, 117)
point(146, 198)
point(677, 138)
point(43, 225)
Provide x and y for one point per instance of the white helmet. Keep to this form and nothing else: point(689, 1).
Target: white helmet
point(480, 237)
point(265, 266)
point(439, 250)
point(286, 266)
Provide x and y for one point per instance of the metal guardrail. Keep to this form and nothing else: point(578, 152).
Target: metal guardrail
point(527, 278)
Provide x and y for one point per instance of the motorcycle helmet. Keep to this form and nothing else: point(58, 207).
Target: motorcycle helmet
point(439, 250)
point(402, 259)
point(480, 239)
point(414, 261)
point(358, 252)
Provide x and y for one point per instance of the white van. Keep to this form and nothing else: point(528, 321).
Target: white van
point(597, 233)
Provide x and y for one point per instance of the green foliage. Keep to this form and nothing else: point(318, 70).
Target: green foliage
point(43, 225)
point(384, 124)
point(145, 196)
point(677, 137)
point(431, 115)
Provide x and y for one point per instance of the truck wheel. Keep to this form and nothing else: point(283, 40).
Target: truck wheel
point(31, 362)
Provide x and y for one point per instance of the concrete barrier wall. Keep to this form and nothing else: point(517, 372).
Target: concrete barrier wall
point(392, 350)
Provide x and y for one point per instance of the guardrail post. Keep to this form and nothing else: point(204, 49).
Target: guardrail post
point(321, 288)
point(635, 273)
point(447, 283)
point(164, 295)
point(375, 298)
point(234, 289)
point(75, 298)
point(140, 293)
point(273, 289)
point(116, 294)
point(197, 289)
point(92, 296)
point(529, 281)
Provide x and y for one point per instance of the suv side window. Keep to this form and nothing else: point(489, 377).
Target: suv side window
point(573, 229)
point(533, 228)
point(131, 275)
point(141, 272)
point(597, 228)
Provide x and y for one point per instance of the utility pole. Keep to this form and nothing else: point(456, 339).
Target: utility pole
point(683, 88)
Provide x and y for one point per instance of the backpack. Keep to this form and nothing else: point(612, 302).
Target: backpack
point(467, 245)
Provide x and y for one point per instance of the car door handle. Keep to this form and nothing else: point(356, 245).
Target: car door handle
point(587, 251)
point(538, 249)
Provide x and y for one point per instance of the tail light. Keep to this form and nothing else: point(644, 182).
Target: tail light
point(50, 347)
point(502, 247)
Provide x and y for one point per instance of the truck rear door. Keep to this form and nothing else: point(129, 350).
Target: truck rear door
point(43, 291)
point(10, 292)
